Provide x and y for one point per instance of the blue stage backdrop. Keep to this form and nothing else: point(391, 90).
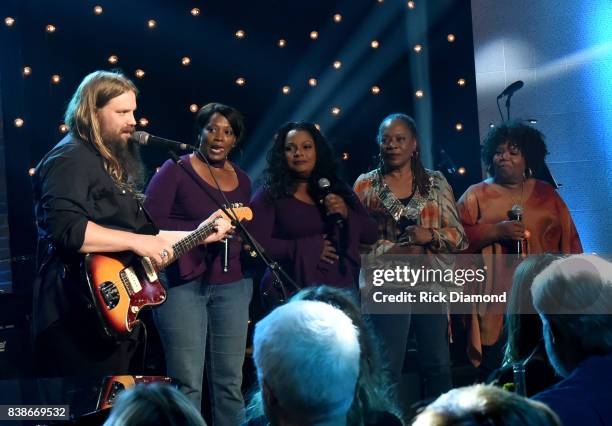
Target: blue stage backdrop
point(343, 64)
point(563, 53)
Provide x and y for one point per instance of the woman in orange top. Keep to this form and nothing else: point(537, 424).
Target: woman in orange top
point(513, 154)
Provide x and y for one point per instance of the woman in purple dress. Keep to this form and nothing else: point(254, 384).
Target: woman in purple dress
point(204, 320)
point(313, 233)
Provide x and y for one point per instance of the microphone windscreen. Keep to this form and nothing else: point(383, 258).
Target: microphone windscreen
point(140, 137)
point(517, 210)
point(516, 85)
point(324, 183)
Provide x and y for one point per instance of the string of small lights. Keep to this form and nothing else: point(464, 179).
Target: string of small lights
point(240, 80)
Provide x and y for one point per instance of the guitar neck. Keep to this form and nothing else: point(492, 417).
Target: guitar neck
point(190, 241)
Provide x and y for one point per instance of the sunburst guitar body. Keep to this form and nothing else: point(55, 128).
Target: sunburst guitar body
point(122, 284)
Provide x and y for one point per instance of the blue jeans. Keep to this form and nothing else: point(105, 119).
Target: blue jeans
point(200, 325)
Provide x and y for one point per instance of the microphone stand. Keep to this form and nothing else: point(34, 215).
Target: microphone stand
point(508, 97)
point(499, 109)
point(507, 107)
point(275, 268)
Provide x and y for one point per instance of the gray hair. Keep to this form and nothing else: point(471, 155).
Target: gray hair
point(155, 404)
point(574, 299)
point(307, 353)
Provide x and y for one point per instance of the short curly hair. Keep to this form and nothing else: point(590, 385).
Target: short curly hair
point(528, 140)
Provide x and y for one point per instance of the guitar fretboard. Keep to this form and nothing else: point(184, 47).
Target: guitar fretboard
point(190, 241)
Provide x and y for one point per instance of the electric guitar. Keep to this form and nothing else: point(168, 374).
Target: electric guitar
point(112, 386)
point(122, 284)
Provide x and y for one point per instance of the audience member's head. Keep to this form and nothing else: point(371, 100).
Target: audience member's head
point(373, 394)
point(574, 299)
point(155, 404)
point(307, 358)
point(485, 405)
point(522, 321)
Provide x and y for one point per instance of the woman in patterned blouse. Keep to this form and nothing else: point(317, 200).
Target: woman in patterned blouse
point(415, 211)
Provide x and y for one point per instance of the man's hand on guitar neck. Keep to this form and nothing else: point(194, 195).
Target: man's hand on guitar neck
point(99, 239)
point(223, 228)
point(158, 247)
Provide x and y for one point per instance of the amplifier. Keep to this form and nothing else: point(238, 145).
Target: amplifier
point(15, 353)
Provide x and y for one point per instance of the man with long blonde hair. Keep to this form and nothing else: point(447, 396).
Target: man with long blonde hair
point(88, 200)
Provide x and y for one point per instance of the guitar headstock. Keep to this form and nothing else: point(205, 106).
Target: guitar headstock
point(238, 211)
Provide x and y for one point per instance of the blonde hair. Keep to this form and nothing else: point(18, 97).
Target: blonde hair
point(94, 92)
point(485, 405)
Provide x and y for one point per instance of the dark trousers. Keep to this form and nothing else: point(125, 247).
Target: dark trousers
point(492, 357)
point(431, 332)
point(74, 348)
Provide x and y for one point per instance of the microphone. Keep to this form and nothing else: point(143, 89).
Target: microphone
point(516, 213)
point(144, 138)
point(225, 260)
point(509, 91)
point(325, 187)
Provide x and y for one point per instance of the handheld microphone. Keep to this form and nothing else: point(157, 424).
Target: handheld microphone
point(144, 138)
point(509, 91)
point(516, 213)
point(325, 187)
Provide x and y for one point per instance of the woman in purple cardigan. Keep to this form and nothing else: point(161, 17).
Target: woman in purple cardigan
point(204, 320)
point(314, 234)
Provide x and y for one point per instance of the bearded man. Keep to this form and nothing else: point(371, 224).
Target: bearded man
point(88, 198)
